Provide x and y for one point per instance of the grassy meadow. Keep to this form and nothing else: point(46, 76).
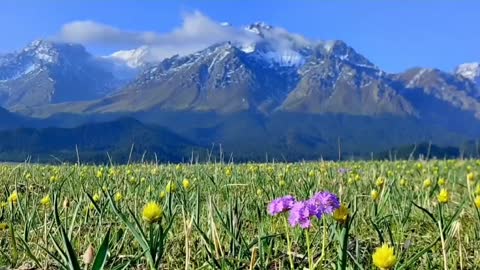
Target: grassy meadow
point(214, 216)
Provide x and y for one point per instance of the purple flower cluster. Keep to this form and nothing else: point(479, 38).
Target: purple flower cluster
point(325, 202)
point(281, 205)
point(301, 212)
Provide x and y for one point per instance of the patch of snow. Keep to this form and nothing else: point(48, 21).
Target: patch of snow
point(218, 58)
point(416, 78)
point(470, 71)
point(132, 58)
point(285, 58)
point(248, 48)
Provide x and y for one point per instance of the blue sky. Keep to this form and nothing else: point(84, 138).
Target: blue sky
point(394, 34)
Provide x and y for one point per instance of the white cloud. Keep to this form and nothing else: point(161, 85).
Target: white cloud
point(196, 32)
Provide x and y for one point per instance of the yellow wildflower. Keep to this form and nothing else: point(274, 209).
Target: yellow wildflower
point(186, 184)
point(13, 198)
point(441, 181)
point(152, 212)
point(443, 196)
point(163, 194)
point(403, 182)
point(471, 177)
point(380, 182)
point(477, 202)
point(45, 201)
point(341, 214)
point(118, 197)
point(427, 183)
point(229, 172)
point(374, 195)
point(384, 258)
point(96, 197)
point(3, 226)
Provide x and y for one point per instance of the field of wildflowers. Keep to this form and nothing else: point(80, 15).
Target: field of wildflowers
point(323, 215)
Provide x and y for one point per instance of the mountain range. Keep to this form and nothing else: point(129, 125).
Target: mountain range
point(277, 93)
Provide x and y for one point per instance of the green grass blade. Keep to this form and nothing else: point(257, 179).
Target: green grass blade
point(101, 257)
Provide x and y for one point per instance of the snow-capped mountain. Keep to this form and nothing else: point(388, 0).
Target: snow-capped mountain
point(470, 71)
point(271, 85)
point(46, 72)
point(277, 72)
point(135, 58)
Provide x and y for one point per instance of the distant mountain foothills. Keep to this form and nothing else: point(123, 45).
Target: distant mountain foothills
point(121, 140)
point(279, 95)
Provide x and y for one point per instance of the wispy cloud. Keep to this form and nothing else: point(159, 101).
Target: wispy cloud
point(196, 32)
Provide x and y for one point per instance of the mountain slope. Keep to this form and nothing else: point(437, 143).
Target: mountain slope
point(46, 72)
point(339, 80)
point(10, 120)
point(453, 91)
point(94, 141)
point(470, 71)
point(278, 71)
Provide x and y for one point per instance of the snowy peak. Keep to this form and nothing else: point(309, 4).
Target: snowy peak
point(47, 72)
point(133, 58)
point(470, 71)
point(52, 52)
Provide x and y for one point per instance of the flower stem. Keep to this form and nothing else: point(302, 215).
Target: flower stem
point(324, 244)
point(289, 244)
point(309, 251)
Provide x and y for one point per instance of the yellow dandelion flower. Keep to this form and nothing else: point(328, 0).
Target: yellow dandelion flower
point(45, 201)
point(477, 190)
point(152, 212)
point(118, 197)
point(374, 195)
point(443, 196)
point(163, 194)
point(96, 197)
point(403, 182)
point(441, 181)
point(228, 172)
point(380, 182)
point(259, 192)
point(3, 226)
point(282, 183)
point(186, 184)
point(341, 214)
point(427, 183)
point(477, 202)
point(13, 198)
point(471, 177)
point(384, 258)
point(3, 205)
